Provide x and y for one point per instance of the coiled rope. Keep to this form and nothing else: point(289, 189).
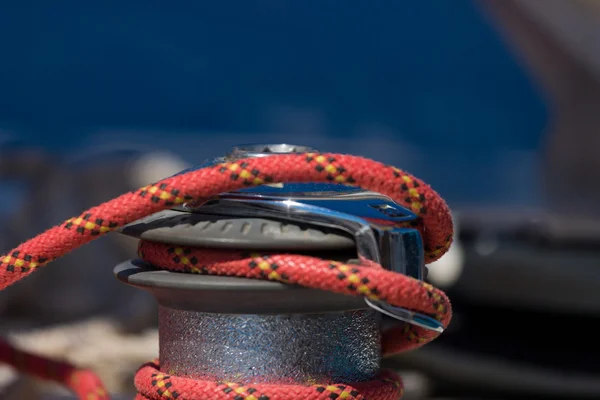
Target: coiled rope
point(368, 280)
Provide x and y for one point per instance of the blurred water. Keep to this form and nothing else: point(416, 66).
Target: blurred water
point(427, 86)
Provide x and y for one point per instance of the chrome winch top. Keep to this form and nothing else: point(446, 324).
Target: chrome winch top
point(361, 215)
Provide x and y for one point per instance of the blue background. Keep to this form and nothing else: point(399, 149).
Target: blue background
point(431, 82)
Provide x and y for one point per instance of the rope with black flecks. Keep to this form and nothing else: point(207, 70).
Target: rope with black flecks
point(368, 279)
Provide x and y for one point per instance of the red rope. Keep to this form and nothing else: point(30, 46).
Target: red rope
point(369, 279)
point(84, 383)
point(151, 385)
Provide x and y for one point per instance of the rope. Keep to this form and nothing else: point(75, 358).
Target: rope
point(368, 280)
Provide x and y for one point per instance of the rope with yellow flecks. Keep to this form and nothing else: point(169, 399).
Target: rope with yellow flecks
point(368, 279)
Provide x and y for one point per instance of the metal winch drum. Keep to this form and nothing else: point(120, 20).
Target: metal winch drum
point(255, 331)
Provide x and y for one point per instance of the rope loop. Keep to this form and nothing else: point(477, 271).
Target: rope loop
point(435, 225)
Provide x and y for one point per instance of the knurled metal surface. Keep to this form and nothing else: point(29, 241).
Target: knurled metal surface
point(292, 348)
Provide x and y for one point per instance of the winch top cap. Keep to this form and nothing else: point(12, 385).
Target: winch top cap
point(262, 150)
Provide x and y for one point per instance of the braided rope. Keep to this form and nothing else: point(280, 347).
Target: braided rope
point(369, 279)
point(152, 384)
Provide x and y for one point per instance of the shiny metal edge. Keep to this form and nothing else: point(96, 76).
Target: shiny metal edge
point(369, 240)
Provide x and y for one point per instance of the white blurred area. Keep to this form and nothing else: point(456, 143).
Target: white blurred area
point(445, 272)
point(154, 166)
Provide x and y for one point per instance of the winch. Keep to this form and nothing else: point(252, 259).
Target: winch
point(230, 328)
point(280, 272)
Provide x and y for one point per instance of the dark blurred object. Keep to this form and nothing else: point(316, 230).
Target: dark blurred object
point(530, 260)
point(77, 285)
point(526, 293)
point(527, 306)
